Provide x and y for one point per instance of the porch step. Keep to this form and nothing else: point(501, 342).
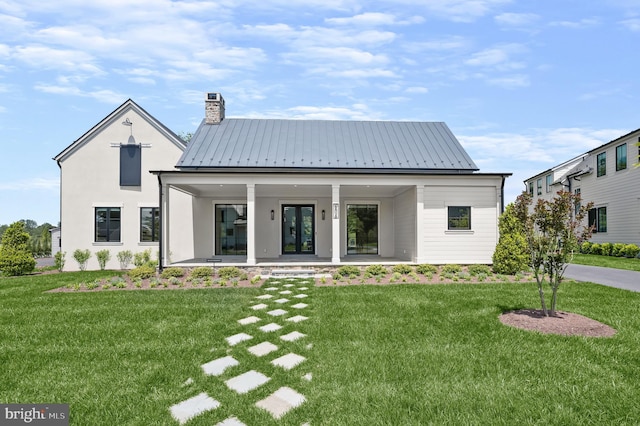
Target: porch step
point(292, 272)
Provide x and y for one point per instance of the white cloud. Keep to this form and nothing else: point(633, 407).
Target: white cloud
point(39, 57)
point(583, 23)
point(632, 24)
point(106, 96)
point(417, 89)
point(370, 19)
point(516, 19)
point(31, 184)
point(497, 56)
point(510, 81)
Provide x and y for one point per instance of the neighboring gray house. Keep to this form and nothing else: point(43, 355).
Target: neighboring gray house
point(271, 191)
point(56, 242)
point(607, 177)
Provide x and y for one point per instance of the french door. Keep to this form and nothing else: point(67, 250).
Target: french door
point(298, 229)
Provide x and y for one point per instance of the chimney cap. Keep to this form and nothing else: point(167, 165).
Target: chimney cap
point(213, 96)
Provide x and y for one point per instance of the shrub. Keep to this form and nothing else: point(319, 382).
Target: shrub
point(510, 255)
point(402, 269)
point(395, 277)
point(15, 256)
point(426, 269)
point(125, 257)
point(349, 270)
point(256, 279)
point(606, 248)
point(595, 249)
point(451, 269)
point(103, 257)
point(142, 272)
point(59, 260)
point(228, 272)
point(82, 257)
point(618, 250)
point(585, 247)
point(475, 270)
point(172, 272)
point(376, 270)
point(631, 250)
point(142, 258)
point(201, 272)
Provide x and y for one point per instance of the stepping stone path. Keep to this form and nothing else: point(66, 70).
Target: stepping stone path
point(259, 336)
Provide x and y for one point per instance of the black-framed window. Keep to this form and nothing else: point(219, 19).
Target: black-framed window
point(231, 229)
point(621, 157)
point(598, 219)
point(107, 220)
point(130, 165)
point(539, 186)
point(362, 229)
point(549, 181)
point(601, 165)
point(149, 224)
point(531, 188)
point(458, 218)
point(577, 193)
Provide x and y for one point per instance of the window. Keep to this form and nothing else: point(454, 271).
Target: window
point(578, 204)
point(621, 157)
point(107, 224)
point(598, 219)
point(459, 218)
point(231, 229)
point(549, 181)
point(130, 165)
point(531, 188)
point(539, 185)
point(601, 161)
point(149, 224)
point(362, 229)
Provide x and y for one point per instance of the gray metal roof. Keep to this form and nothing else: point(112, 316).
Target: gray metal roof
point(324, 144)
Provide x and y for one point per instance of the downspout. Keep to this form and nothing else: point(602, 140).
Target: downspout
point(60, 210)
point(502, 194)
point(160, 234)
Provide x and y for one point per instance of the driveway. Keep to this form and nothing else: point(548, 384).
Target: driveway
point(619, 278)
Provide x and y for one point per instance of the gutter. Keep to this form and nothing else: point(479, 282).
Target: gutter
point(161, 227)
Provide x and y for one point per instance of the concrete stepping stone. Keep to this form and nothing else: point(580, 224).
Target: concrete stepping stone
point(297, 318)
point(265, 296)
point(262, 349)
point(277, 312)
point(289, 285)
point(300, 296)
point(271, 289)
point(270, 327)
point(288, 361)
point(247, 381)
point(217, 366)
point(293, 336)
point(281, 402)
point(283, 300)
point(299, 305)
point(237, 338)
point(231, 421)
point(190, 408)
point(303, 288)
point(249, 320)
point(258, 306)
point(286, 292)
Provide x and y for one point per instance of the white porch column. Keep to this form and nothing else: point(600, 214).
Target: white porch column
point(251, 224)
point(335, 223)
point(420, 249)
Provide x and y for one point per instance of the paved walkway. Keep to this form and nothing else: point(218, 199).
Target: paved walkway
point(619, 278)
point(269, 331)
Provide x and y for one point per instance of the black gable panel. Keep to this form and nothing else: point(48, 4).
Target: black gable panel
point(130, 165)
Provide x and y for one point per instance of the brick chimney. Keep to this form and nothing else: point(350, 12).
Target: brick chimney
point(213, 108)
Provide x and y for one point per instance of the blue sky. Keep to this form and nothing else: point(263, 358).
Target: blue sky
point(524, 85)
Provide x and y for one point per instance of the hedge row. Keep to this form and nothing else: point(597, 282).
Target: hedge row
point(610, 249)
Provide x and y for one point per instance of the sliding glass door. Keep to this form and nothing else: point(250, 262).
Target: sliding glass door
point(362, 229)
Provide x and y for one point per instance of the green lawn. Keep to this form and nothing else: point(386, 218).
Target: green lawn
point(382, 355)
point(607, 261)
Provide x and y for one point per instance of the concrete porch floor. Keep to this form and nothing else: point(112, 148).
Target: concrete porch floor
point(288, 261)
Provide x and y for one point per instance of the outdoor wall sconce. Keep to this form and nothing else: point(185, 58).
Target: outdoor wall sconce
point(273, 215)
point(323, 214)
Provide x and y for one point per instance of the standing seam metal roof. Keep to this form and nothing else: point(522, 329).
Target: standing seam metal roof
point(327, 144)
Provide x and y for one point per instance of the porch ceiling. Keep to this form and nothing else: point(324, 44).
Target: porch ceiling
point(292, 190)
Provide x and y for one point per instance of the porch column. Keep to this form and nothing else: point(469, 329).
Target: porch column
point(335, 223)
point(419, 257)
point(251, 224)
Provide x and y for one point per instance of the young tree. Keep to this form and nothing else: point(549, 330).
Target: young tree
point(553, 231)
point(15, 255)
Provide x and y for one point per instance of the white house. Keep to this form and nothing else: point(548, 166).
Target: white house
point(607, 177)
point(251, 192)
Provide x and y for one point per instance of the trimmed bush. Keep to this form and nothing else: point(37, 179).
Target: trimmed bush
point(426, 269)
point(475, 270)
point(631, 250)
point(606, 249)
point(142, 272)
point(143, 258)
point(103, 257)
point(376, 270)
point(595, 249)
point(451, 269)
point(59, 260)
point(402, 269)
point(172, 272)
point(15, 256)
point(201, 272)
point(349, 270)
point(618, 250)
point(511, 255)
point(124, 257)
point(228, 272)
point(585, 247)
point(82, 257)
